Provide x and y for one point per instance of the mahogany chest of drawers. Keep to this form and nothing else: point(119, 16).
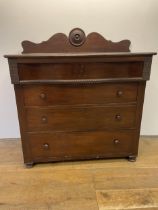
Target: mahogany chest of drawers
point(79, 98)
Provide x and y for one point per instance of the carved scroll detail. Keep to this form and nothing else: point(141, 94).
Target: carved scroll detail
point(76, 42)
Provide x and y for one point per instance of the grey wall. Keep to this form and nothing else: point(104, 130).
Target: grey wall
point(37, 20)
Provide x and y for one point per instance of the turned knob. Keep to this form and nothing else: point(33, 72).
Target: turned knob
point(119, 93)
point(116, 141)
point(45, 146)
point(42, 95)
point(118, 117)
point(44, 119)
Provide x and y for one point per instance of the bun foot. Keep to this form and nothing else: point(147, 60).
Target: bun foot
point(132, 158)
point(29, 165)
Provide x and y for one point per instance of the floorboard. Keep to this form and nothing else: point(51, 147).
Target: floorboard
point(113, 184)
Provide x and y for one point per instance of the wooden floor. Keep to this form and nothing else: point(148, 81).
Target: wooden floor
point(88, 185)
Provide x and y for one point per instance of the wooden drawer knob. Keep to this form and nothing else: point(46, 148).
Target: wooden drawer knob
point(43, 96)
point(116, 141)
point(44, 119)
point(119, 93)
point(118, 117)
point(45, 146)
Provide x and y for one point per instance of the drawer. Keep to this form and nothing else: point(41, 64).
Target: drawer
point(79, 118)
point(60, 145)
point(71, 71)
point(48, 95)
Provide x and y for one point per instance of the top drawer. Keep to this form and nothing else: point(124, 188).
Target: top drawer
point(71, 71)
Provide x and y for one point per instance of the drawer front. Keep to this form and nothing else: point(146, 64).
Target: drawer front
point(62, 145)
point(48, 95)
point(80, 118)
point(69, 71)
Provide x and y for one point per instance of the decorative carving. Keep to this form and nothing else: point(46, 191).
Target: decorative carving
point(77, 37)
point(78, 82)
point(76, 42)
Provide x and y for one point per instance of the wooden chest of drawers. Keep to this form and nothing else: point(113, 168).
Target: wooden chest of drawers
point(78, 102)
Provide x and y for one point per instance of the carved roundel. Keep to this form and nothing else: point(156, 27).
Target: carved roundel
point(77, 37)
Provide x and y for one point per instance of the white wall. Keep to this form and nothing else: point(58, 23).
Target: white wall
point(37, 20)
